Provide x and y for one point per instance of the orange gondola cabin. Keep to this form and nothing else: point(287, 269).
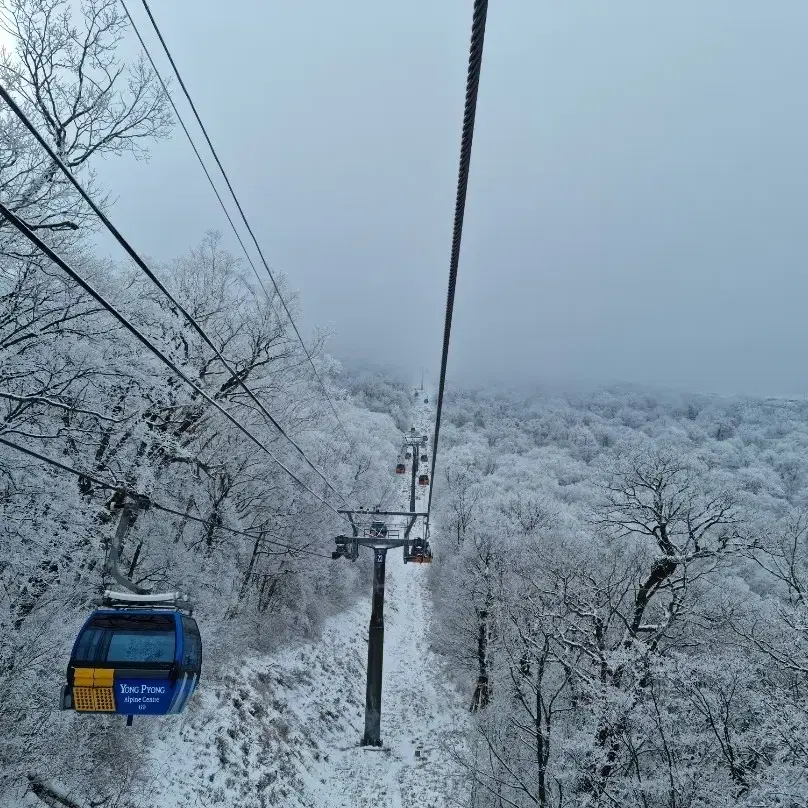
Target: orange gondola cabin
point(420, 552)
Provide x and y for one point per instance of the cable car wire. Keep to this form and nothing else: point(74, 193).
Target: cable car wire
point(469, 115)
point(152, 504)
point(142, 265)
point(198, 155)
point(156, 281)
point(243, 215)
point(200, 160)
point(62, 264)
point(383, 500)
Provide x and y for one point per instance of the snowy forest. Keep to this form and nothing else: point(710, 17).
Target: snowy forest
point(76, 387)
point(622, 588)
point(616, 613)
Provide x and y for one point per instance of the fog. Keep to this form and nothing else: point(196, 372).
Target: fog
point(636, 206)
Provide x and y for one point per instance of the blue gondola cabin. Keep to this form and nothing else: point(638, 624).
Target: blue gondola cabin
point(134, 662)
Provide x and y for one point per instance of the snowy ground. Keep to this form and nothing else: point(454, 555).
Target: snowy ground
point(284, 730)
point(420, 716)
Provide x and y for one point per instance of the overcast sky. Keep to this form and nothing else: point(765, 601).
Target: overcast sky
point(637, 204)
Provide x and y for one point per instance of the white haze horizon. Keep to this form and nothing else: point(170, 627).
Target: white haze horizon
point(531, 385)
point(636, 201)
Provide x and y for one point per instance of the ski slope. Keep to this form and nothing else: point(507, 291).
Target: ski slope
point(284, 729)
point(421, 717)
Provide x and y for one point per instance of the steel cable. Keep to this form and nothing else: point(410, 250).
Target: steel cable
point(152, 504)
point(4, 94)
point(244, 219)
point(469, 115)
point(198, 155)
point(65, 267)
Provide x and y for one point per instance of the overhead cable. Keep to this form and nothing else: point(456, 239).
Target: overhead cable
point(62, 264)
point(383, 499)
point(244, 217)
point(234, 375)
point(152, 504)
point(198, 155)
point(469, 114)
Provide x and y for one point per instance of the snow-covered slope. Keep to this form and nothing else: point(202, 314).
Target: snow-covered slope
point(284, 730)
point(421, 717)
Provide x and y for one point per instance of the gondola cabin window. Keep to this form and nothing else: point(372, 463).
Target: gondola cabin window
point(112, 638)
point(152, 647)
point(192, 649)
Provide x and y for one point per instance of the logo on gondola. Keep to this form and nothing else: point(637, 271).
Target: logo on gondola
point(144, 697)
point(135, 689)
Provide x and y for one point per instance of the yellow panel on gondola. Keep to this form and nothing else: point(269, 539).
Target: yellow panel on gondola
point(103, 677)
point(93, 691)
point(83, 677)
point(94, 699)
point(93, 677)
point(105, 699)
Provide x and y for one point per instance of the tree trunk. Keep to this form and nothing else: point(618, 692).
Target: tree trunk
point(482, 692)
